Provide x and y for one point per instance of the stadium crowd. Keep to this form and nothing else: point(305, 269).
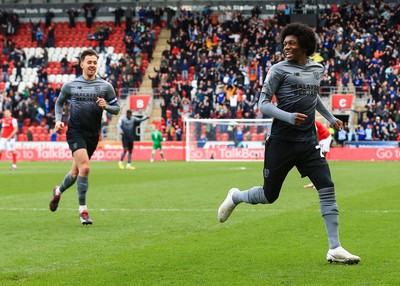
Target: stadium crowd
point(218, 60)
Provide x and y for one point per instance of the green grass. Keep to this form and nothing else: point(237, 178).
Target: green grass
point(157, 225)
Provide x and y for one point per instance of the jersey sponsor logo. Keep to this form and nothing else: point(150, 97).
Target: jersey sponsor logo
point(82, 96)
point(304, 89)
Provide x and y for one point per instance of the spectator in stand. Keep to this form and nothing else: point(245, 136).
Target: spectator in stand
point(149, 15)
point(118, 14)
point(178, 133)
point(371, 101)
point(77, 67)
point(377, 134)
point(392, 129)
point(50, 36)
point(89, 12)
point(129, 13)
point(361, 133)
point(48, 16)
point(368, 133)
point(351, 134)
point(325, 89)
point(184, 69)
point(42, 75)
point(155, 83)
point(4, 71)
point(39, 37)
point(345, 82)
point(64, 65)
point(18, 74)
point(34, 27)
point(101, 42)
point(72, 14)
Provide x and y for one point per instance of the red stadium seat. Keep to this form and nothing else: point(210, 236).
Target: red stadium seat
point(38, 129)
point(42, 137)
point(22, 137)
point(61, 137)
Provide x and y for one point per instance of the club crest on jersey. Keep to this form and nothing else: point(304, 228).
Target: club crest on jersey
point(266, 173)
point(316, 75)
point(97, 89)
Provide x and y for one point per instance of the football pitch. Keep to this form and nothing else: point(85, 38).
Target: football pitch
point(157, 225)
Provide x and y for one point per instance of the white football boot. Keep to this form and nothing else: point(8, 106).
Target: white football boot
point(227, 207)
point(341, 255)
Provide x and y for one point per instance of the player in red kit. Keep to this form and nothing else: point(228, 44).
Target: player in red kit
point(8, 133)
point(324, 140)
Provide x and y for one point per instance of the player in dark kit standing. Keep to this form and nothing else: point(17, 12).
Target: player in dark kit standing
point(89, 96)
point(126, 127)
point(293, 141)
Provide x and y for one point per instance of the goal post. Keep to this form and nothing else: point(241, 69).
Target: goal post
point(226, 139)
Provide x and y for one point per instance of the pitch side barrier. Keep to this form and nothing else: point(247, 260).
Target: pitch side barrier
point(176, 151)
point(372, 144)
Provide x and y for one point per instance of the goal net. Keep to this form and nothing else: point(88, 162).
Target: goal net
point(226, 139)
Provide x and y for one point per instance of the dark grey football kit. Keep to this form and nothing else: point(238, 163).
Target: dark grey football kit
point(84, 122)
point(296, 88)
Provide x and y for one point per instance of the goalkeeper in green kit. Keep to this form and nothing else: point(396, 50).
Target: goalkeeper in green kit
point(157, 138)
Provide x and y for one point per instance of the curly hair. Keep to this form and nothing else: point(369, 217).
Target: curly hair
point(304, 34)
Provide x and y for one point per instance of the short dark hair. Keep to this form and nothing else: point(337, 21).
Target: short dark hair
point(88, 52)
point(304, 34)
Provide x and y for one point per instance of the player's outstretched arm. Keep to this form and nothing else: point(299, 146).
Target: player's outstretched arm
point(320, 107)
point(270, 109)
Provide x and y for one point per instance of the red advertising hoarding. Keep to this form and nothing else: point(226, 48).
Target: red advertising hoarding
point(59, 151)
point(139, 102)
point(176, 151)
point(342, 101)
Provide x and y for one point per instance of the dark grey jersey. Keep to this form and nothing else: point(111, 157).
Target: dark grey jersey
point(85, 115)
point(296, 88)
point(127, 126)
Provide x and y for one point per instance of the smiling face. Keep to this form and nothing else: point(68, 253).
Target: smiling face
point(89, 67)
point(292, 51)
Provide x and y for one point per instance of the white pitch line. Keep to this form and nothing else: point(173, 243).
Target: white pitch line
point(174, 210)
point(382, 211)
point(127, 210)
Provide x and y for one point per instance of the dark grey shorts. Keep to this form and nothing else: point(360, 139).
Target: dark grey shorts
point(80, 140)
